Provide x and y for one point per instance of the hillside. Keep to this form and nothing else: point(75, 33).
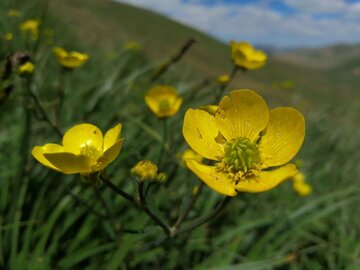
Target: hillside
point(107, 24)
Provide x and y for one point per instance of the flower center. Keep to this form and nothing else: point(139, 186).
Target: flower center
point(164, 105)
point(241, 155)
point(89, 150)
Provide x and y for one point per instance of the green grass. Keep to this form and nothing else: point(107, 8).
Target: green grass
point(45, 221)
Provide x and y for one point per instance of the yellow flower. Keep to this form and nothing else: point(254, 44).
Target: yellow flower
point(27, 68)
point(84, 150)
point(245, 56)
point(300, 185)
point(212, 109)
point(247, 142)
point(14, 13)
point(32, 27)
point(163, 100)
point(132, 45)
point(190, 154)
point(8, 36)
point(145, 170)
point(223, 79)
point(70, 59)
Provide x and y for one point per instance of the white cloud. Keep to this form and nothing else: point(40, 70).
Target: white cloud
point(263, 25)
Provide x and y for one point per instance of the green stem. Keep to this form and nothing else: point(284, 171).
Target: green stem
point(118, 190)
point(110, 213)
point(186, 213)
point(223, 87)
point(207, 218)
point(149, 212)
point(163, 145)
point(60, 94)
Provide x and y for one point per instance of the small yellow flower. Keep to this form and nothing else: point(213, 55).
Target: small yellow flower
point(27, 68)
point(245, 56)
point(84, 150)
point(162, 177)
point(212, 109)
point(223, 79)
point(145, 170)
point(132, 45)
point(70, 59)
point(32, 27)
point(8, 36)
point(190, 154)
point(300, 185)
point(163, 100)
point(14, 13)
point(248, 143)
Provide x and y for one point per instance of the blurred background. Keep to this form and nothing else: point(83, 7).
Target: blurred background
point(314, 66)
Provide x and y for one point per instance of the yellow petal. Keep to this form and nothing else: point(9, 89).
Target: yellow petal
point(38, 153)
point(283, 136)
point(82, 135)
point(109, 155)
point(267, 180)
point(69, 163)
point(214, 179)
point(112, 136)
point(242, 114)
point(200, 131)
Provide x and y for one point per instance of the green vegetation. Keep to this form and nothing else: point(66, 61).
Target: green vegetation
point(54, 221)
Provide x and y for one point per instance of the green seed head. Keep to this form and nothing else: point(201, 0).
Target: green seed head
point(241, 155)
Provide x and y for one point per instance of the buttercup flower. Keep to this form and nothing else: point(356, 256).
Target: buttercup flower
point(70, 59)
point(14, 13)
point(300, 185)
point(32, 27)
point(190, 154)
point(163, 100)
point(145, 170)
point(223, 79)
point(26, 68)
point(84, 150)
point(245, 56)
point(8, 36)
point(212, 109)
point(246, 142)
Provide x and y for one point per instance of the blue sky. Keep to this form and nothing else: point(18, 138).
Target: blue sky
point(280, 23)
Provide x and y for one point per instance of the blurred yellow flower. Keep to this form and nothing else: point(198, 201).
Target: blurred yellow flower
point(247, 142)
point(14, 13)
point(212, 109)
point(223, 79)
point(162, 177)
point(26, 68)
point(70, 59)
point(245, 56)
point(300, 185)
point(32, 27)
point(132, 45)
point(163, 100)
point(190, 154)
point(84, 150)
point(145, 170)
point(8, 36)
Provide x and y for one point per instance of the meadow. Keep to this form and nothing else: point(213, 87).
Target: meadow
point(50, 220)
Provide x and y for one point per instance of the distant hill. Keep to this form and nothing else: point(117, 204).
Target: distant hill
point(319, 75)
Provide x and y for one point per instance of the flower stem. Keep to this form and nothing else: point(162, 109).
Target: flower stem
point(177, 57)
point(186, 213)
point(118, 190)
point(223, 87)
point(149, 212)
point(207, 218)
point(163, 145)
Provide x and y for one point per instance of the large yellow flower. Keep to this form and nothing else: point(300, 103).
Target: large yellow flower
point(245, 56)
point(247, 142)
point(70, 59)
point(84, 150)
point(163, 100)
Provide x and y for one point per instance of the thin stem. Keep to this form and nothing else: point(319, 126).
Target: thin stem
point(44, 114)
point(207, 218)
point(173, 59)
point(186, 213)
point(149, 212)
point(118, 190)
point(163, 145)
point(60, 94)
point(223, 87)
